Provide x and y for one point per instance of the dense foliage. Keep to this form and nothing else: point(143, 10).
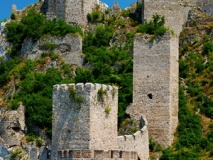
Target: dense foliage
point(34, 25)
point(194, 133)
point(35, 88)
point(112, 67)
point(102, 65)
point(154, 27)
point(109, 61)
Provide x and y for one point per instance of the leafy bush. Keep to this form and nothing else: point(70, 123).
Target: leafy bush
point(207, 108)
point(83, 75)
point(34, 90)
point(207, 48)
point(183, 68)
point(13, 16)
point(136, 15)
point(39, 142)
point(154, 27)
point(16, 154)
point(95, 16)
point(30, 138)
point(5, 68)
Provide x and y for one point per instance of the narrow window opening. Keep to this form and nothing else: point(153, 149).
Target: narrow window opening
point(70, 154)
point(48, 154)
point(150, 96)
point(111, 154)
point(120, 154)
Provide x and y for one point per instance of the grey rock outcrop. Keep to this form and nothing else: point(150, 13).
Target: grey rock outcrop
point(3, 43)
point(69, 47)
point(206, 6)
point(3, 152)
point(12, 127)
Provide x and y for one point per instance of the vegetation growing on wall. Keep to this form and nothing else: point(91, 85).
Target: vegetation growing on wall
point(108, 60)
point(154, 27)
point(34, 25)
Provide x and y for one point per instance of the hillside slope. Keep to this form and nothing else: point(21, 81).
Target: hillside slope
point(107, 53)
point(194, 136)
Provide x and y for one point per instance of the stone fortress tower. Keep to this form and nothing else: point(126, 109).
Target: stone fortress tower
point(155, 71)
point(81, 119)
point(72, 11)
point(155, 85)
point(85, 125)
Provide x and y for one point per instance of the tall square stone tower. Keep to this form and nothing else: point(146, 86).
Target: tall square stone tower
point(84, 117)
point(72, 11)
point(155, 85)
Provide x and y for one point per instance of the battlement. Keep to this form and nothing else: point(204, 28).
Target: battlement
point(138, 142)
point(88, 87)
point(84, 117)
point(97, 155)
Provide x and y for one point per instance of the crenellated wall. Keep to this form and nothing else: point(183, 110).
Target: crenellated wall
point(96, 155)
point(155, 85)
point(84, 117)
point(138, 142)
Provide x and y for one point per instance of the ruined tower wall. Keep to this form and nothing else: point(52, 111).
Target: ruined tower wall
point(72, 11)
point(155, 88)
point(138, 142)
point(50, 8)
point(81, 119)
point(175, 12)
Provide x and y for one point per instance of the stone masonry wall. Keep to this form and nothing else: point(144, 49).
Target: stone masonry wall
point(72, 11)
point(88, 6)
point(155, 85)
point(80, 119)
point(69, 47)
point(103, 117)
point(175, 12)
point(96, 155)
point(138, 142)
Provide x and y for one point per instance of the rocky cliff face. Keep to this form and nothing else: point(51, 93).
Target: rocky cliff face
point(3, 43)
point(12, 127)
point(69, 47)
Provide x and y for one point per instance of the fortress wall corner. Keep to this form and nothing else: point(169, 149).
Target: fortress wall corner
point(138, 142)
